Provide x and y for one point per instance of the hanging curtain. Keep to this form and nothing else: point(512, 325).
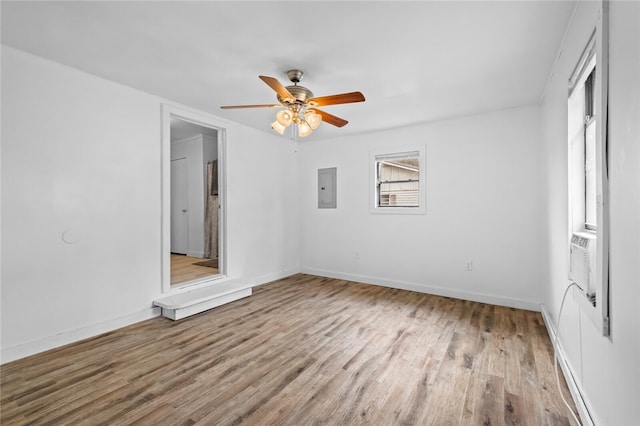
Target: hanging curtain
point(211, 212)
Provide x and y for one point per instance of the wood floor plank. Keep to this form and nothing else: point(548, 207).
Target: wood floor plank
point(303, 350)
point(513, 414)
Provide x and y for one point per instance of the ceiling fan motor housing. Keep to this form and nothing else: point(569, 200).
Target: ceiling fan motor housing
point(300, 93)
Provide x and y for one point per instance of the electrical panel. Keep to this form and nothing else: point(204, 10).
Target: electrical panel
point(327, 184)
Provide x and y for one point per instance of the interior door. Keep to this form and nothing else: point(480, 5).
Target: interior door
point(179, 203)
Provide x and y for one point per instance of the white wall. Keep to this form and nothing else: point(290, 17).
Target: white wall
point(483, 205)
point(210, 151)
point(605, 368)
point(81, 156)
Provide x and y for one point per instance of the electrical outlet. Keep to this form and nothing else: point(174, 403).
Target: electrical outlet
point(468, 266)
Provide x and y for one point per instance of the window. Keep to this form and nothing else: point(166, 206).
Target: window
point(589, 154)
point(583, 149)
point(398, 181)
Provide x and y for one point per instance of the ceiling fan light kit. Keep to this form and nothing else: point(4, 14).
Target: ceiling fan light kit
point(300, 105)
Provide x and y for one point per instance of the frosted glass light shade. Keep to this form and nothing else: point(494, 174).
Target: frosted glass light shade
point(278, 127)
point(313, 119)
point(304, 129)
point(284, 117)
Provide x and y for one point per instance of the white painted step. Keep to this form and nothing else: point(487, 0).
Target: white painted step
point(182, 305)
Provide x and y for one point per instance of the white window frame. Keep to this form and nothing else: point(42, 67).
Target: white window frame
point(597, 48)
point(373, 181)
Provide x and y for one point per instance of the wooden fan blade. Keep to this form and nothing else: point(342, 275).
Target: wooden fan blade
point(343, 98)
point(330, 118)
point(279, 88)
point(251, 106)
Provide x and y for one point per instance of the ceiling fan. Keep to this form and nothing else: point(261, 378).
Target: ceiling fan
point(300, 106)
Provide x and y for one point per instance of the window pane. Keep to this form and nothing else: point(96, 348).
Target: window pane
point(590, 176)
point(589, 100)
point(398, 180)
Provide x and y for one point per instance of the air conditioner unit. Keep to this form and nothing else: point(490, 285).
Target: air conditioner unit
point(582, 260)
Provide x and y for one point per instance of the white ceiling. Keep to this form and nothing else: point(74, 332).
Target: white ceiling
point(414, 61)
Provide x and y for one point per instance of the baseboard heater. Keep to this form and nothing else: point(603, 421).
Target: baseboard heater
point(182, 305)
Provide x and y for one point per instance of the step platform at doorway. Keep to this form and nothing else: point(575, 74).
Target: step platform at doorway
point(182, 305)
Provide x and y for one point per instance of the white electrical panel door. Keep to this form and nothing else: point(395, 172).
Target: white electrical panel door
point(327, 188)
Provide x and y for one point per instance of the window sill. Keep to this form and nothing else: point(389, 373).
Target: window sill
point(397, 210)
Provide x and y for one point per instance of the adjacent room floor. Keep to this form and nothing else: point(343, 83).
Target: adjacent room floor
point(185, 268)
point(303, 350)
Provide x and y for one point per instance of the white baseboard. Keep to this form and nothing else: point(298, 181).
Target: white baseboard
point(422, 288)
point(199, 254)
point(573, 385)
point(50, 342)
point(264, 279)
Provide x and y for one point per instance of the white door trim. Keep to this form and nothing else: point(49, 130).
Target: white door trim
point(202, 119)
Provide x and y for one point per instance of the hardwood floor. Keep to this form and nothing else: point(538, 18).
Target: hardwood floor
point(183, 269)
point(304, 350)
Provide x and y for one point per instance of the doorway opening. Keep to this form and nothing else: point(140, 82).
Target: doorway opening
point(193, 192)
